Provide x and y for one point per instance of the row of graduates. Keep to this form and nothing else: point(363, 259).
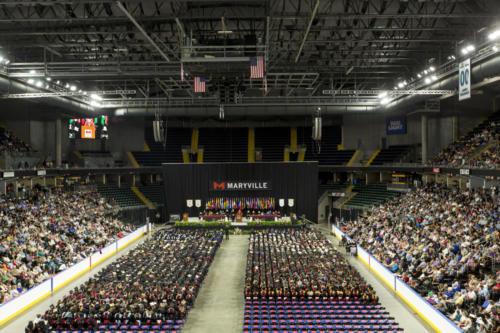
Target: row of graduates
point(301, 264)
point(155, 282)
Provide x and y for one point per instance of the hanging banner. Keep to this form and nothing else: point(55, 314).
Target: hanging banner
point(464, 80)
point(395, 125)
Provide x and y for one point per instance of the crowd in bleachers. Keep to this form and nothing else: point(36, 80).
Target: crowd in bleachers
point(11, 143)
point(462, 151)
point(301, 264)
point(445, 244)
point(45, 231)
point(489, 158)
point(154, 284)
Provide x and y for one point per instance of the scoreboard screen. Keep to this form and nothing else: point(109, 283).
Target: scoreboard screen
point(89, 128)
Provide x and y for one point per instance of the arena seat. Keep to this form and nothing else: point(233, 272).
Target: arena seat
point(153, 193)
point(123, 196)
point(157, 272)
point(369, 195)
point(393, 154)
point(468, 149)
point(224, 144)
point(329, 153)
point(172, 153)
point(272, 142)
point(312, 302)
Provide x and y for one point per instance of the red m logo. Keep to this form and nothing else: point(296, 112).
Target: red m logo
point(221, 186)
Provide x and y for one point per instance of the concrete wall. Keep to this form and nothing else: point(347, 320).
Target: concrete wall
point(124, 135)
point(365, 131)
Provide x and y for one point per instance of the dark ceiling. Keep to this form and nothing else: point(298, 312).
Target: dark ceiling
point(308, 45)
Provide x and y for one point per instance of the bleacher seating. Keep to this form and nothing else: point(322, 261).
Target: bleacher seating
point(123, 195)
point(153, 193)
point(393, 154)
point(272, 141)
point(316, 316)
point(176, 138)
point(369, 195)
point(224, 144)
point(467, 150)
point(328, 154)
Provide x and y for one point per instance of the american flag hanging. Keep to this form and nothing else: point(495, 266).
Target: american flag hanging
point(256, 67)
point(199, 84)
point(182, 72)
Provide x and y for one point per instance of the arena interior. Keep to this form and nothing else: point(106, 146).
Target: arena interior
point(250, 166)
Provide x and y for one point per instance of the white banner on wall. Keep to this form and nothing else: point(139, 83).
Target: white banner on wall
point(464, 80)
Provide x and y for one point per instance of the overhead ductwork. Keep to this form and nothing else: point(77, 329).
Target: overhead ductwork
point(15, 87)
point(239, 110)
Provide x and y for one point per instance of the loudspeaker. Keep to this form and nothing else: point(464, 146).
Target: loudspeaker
point(156, 130)
point(159, 130)
point(316, 130)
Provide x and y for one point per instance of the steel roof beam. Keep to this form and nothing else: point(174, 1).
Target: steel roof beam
point(306, 33)
point(141, 29)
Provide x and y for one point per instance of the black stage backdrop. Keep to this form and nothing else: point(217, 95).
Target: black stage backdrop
point(284, 180)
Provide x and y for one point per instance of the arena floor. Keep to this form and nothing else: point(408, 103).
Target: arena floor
point(219, 306)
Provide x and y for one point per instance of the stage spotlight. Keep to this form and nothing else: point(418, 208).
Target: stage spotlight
point(72, 88)
point(427, 80)
point(31, 81)
point(39, 84)
point(385, 101)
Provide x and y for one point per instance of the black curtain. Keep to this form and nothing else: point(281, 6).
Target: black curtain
point(296, 180)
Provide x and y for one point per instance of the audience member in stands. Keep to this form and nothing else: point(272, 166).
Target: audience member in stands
point(445, 244)
point(12, 144)
point(44, 232)
point(301, 264)
point(462, 151)
point(155, 282)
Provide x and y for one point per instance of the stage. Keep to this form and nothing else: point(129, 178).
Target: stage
point(263, 190)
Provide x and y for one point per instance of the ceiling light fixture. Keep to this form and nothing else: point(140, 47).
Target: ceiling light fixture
point(494, 35)
point(96, 97)
point(383, 94)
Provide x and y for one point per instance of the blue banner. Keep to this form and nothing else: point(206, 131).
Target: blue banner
point(396, 125)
